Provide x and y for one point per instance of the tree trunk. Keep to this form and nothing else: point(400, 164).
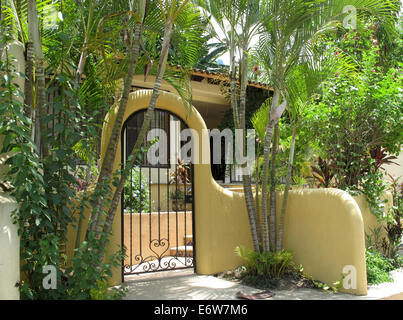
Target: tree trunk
point(257, 202)
point(144, 129)
point(107, 164)
point(41, 95)
point(84, 50)
point(29, 80)
point(234, 99)
point(35, 38)
point(246, 176)
point(1, 28)
point(273, 218)
point(265, 173)
point(287, 188)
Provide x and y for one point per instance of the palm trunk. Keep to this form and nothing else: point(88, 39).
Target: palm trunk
point(144, 129)
point(257, 202)
point(35, 38)
point(83, 55)
point(234, 99)
point(246, 176)
point(273, 188)
point(287, 188)
point(107, 164)
point(265, 174)
point(85, 192)
point(41, 95)
point(29, 80)
point(250, 206)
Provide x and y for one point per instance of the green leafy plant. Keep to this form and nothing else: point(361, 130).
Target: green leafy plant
point(47, 191)
point(375, 240)
point(179, 194)
point(266, 264)
point(104, 292)
point(354, 121)
point(373, 186)
point(136, 192)
point(394, 226)
point(378, 267)
point(356, 125)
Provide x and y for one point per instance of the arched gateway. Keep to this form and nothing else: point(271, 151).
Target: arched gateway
point(157, 203)
point(218, 216)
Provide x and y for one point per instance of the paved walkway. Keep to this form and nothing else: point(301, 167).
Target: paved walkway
point(185, 285)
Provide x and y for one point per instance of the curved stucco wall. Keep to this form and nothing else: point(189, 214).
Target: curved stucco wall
point(325, 230)
point(9, 250)
point(323, 227)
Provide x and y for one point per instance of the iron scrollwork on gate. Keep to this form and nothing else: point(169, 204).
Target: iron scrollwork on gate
point(157, 203)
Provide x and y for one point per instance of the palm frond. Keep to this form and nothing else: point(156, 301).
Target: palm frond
point(260, 119)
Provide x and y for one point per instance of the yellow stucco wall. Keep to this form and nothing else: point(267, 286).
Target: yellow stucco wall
point(325, 230)
point(323, 227)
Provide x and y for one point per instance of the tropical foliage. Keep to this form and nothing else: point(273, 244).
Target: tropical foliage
point(83, 71)
point(335, 95)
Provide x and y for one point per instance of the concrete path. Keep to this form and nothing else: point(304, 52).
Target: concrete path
point(185, 285)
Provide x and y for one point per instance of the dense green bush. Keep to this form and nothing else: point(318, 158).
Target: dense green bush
point(378, 267)
point(46, 191)
point(355, 127)
point(266, 264)
point(354, 121)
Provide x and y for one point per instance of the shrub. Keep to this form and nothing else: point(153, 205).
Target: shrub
point(378, 267)
point(266, 264)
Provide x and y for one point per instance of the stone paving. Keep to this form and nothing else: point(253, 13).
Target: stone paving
point(185, 285)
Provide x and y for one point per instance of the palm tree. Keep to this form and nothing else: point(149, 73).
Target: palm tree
point(302, 84)
point(84, 50)
point(35, 39)
point(107, 164)
point(208, 60)
point(178, 18)
point(239, 22)
point(290, 30)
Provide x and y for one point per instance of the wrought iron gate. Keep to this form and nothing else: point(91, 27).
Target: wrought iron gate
point(157, 202)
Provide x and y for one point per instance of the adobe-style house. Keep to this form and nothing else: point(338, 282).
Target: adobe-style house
point(210, 97)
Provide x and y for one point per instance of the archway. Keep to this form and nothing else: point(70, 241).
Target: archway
point(220, 219)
